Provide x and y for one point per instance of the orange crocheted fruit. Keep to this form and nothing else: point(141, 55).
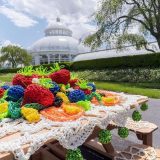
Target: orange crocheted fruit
point(72, 109)
point(110, 100)
point(94, 101)
point(58, 115)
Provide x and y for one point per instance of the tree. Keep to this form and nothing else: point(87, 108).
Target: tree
point(115, 17)
point(15, 56)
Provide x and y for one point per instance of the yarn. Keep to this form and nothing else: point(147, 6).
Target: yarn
point(123, 132)
point(105, 136)
point(15, 93)
point(74, 155)
point(76, 95)
point(136, 116)
point(55, 88)
point(1, 92)
point(5, 87)
point(86, 105)
point(63, 96)
point(34, 106)
point(3, 110)
point(58, 102)
point(93, 86)
point(61, 77)
point(38, 94)
point(144, 107)
point(14, 110)
point(94, 94)
point(73, 82)
point(30, 114)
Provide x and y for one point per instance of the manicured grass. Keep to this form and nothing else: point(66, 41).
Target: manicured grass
point(130, 88)
point(6, 77)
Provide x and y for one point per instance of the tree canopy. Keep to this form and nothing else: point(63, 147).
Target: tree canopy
point(15, 56)
point(114, 19)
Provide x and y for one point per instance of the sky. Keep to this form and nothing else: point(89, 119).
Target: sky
point(22, 22)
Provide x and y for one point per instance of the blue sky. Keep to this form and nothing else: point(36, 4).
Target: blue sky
point(23, 21)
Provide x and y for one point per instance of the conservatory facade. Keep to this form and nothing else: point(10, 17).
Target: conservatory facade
point(58, 45)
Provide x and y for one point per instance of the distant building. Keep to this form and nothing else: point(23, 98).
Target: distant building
point(58, 45)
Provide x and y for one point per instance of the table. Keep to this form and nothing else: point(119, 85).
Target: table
point(23, 141)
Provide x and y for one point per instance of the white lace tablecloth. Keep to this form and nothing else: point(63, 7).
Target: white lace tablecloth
point(69, 134)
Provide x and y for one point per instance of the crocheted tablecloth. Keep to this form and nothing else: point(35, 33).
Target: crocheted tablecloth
point(19, 134)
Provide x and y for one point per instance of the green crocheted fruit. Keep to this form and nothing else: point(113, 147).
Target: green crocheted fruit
point(123, 132)
point(136, 116)
point(74, 155)
point(36, 106)
point(14, 110)
point(105, 136)
point(86, 105)
point(144, 107)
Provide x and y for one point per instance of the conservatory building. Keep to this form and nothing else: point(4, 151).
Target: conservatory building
point(58, 45)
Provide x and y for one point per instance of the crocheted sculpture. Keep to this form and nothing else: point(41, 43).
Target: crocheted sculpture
point(55, 89)
point(58, 101)
point(63, 97)
point(136, 116)
point(34, 106)
point(3, 110)
point(22, 80)
point(15, 93)
point(30, 114)
point(105, 136)
point(123, 132)
point(144, 107)
point(5, 87)
point(38, 94)
point(86, 105)
point(14, 110)
point(76, 95)
point(73, 82)
point(74, 155)
point(93, 86)
point(61, 77)
point(1, 92)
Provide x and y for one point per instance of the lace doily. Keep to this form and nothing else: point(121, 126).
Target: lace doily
point(69, 134)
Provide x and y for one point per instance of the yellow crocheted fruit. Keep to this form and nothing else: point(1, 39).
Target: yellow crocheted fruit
point(30, 114)
point(63, 88)
point(3, 107)
point(63, 96)
point(72, 109)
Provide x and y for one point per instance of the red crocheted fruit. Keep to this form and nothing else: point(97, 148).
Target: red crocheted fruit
point(38, 94)
point(73, 82)
point(61, 77)
point(76, 87)
point(87, 91)
point(22, 80)
point(1, 92)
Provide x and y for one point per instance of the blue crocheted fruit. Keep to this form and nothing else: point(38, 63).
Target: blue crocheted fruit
point(76, 95)
point(5, 87)
point(93, 86)
point(55, 89)
point(15, 93)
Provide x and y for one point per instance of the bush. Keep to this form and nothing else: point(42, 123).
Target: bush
point(135, 61)
point(135, 75)
point(14, 70)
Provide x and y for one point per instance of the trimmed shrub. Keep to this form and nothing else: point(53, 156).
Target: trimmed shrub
point(135, 61)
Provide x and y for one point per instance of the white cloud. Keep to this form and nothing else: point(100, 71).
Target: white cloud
point(18, 18)
point(74, 13)
point(8, 42)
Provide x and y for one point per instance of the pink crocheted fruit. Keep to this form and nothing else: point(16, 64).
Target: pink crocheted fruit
point(61, 77)
point(22, 80)
point(38, 94)
point(1, 92)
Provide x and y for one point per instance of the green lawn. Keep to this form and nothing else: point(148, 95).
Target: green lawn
point(6, 77)
point(141, 89)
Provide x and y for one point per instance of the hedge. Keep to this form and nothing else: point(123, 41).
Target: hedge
point(14, 70)
point(135, 61)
